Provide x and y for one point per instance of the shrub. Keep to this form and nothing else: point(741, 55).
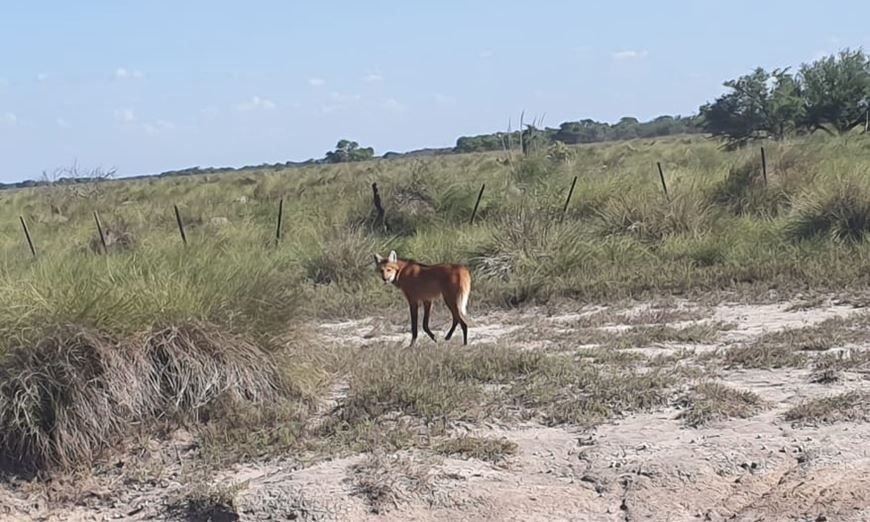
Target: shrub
point(76, 392)
point(840, 211)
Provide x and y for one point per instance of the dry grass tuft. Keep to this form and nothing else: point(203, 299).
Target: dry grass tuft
point(490, 450)
point(385, 481)
point(828, 367)
point(202, 502)
point(76, 393)
point(193, 364)
point(710, 401)
point(853, 406)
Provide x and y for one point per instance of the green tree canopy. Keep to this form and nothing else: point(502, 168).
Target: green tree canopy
point(346, 151)
point(836, 91)
point(761, 104)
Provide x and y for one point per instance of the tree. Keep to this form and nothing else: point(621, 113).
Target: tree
point(760, 105)
point(836, 91)
point(346, 151)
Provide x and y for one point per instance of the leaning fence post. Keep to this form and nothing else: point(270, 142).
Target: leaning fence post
point(568, 199)
point(27, 235)
point(280, 217)
point(379, 208)
point(477, 203)
point(662, 177)
point(180, 225)
point(764, 166)
point(100, 231)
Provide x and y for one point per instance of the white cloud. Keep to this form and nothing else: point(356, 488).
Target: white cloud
point(256, 103)
point(316, 82)
point(122, 73)
point(163, 124)
point(393, 105)
point(10, 119)
point(629, 55)
point(373, 77)
point(444, 99)
point(125, 115)
point(344, 98)
point(41, 77)
point(62, 123)
point(486, 53)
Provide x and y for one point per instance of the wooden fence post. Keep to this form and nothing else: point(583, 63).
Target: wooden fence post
point(662, 177)
point(180, 225)
point(764, 166)
point(100, 231)
point(568, 199)
point(476, 204)
point(379, 208)
point(27, 235)
point(280, 218)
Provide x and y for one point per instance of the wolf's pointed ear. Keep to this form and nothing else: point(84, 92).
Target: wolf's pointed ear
point(378, 259)
point(393, 257)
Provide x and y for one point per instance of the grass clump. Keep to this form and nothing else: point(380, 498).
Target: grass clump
point(385, 481)
point(839, 211)
point(711, 401)
point(488, 449)
point(743, 192)
point(828, 367)
point(573, 392)
point(850, 406)
point(76, 393)
point(764, 354)
point(202, 502)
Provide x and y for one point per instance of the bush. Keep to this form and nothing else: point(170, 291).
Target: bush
point(651, 218)
point(743, 192)
point(840, 211)
point(77, 392)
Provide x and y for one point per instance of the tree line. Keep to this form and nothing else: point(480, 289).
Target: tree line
point(830, 94)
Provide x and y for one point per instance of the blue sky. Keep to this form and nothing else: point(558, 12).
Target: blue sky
point(158, 85)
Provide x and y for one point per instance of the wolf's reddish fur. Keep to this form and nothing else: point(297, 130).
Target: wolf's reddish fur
point(423, 284)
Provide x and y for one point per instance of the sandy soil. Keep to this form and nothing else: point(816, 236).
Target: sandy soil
point(641, 467)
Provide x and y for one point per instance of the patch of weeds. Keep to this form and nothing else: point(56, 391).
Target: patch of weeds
point(488, 449)
point(640, 336)
point(664, 315)
point(385, 481)
point(236, 432)
point(763, 355)
point(584, 394)
point(202, 502)
point(710, 401)
point(827, 367)
point(432, 384)
point(853, 406)
point(388, 433)
point(610, 356)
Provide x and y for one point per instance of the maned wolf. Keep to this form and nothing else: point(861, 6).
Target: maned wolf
point(423, 284)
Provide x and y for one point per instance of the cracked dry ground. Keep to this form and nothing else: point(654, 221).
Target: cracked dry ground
point(776, 430)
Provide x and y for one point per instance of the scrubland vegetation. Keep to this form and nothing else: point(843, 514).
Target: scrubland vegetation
point(100, 349)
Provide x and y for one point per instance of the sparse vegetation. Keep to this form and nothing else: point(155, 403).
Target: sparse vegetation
point(488, 449)
point(711, 401)
point(850, 406)
point(100, 347)
point(385, 480)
